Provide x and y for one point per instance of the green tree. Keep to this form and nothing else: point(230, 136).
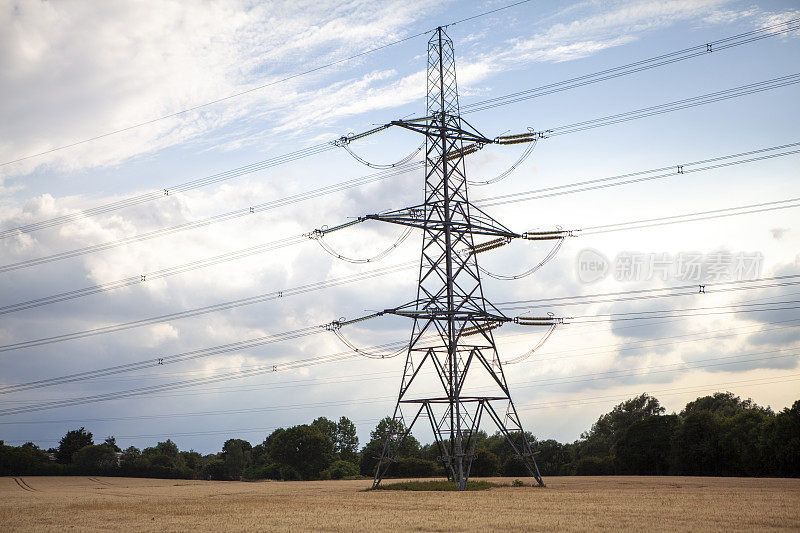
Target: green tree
point(594, 466)
point(600, 439)
point(414, 467)
point(696, 445)
point(168, 448)
point(164, 456)
point(499, 445)
point(95, 459)
point(645, 446)
point(724, 404)
point(20, 460)
point(111, 442)
point(553, 458)
point(301, 451)
point(371, 452)
point(214, 468)
point(485, 464)
point(327, 427)
point(342, 435)
point(132, 462)
point(341, 469)
point(782, 436)
point(72, 442)
point(236, 456)
point(742, 443)
point(346, 443)
point(192, 460)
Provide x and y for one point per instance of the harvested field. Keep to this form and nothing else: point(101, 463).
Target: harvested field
point(577, 503)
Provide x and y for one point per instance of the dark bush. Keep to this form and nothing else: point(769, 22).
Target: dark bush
point(485, 464)
point(595, 466)
point(341, 470)
point(413, 467)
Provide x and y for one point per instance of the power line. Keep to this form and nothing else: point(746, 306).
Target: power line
point(291, 241)
point(669, 107)
point(552, 356)
point(649, 344)
point(140, 391)
point(649, 315)
point(670, 171)
point(639, 66)
point(170, 190)
point(681, 390)
point(286, 293)
point(153, 275)
point(204, 222)
point(253, 89)
point(313, 150)
point(694, 217)
point(573, 402)
point(485, 13)
point(187, 383)
point(94, 375)
point(583, 186)
point(269, 296)
point(179, 358)
point(685, 290)
point(278, 337)
point(677, 105)
point(372, 375)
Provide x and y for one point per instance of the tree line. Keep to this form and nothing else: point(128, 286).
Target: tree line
point(715, 435)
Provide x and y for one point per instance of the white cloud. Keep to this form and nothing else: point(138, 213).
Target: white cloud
point(73, 70)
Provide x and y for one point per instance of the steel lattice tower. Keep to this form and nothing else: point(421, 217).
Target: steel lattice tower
point(450, 307)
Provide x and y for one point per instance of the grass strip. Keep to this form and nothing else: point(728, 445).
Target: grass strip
point(444, 485)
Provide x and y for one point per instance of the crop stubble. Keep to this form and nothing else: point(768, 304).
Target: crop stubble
point(567, 503)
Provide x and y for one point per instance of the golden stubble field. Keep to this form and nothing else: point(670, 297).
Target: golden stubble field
point(567, 503)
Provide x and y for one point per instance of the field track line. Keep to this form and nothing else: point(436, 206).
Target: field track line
point(100, 482)
point(26, 484)
point(23, 485)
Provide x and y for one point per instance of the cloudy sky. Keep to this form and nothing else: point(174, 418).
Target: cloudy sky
point(104, 72)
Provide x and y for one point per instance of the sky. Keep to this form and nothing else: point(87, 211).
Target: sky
point(104, 102)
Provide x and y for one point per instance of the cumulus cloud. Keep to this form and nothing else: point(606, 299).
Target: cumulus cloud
point(74, 70)
point(111, 74)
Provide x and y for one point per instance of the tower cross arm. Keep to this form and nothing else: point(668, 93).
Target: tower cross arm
point(432, 126)
point(415, 217)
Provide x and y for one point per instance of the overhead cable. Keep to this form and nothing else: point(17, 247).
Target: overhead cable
point(290, 241)
point(167, 191)
point(203, 222)
point(675, 170)
point(704, 49)
point(273, 295)
point(258, 87)
point(743, 38)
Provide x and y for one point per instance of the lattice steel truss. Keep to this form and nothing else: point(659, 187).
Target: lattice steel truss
point(450, 303)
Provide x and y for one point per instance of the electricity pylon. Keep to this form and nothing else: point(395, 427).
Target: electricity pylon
point(450, 306)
